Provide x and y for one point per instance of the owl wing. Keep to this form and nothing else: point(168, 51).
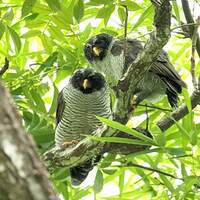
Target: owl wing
point(165, 70)
point(162, 66)
point(60, 107)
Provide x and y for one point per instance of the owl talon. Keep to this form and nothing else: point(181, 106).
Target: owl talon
point(69, 143)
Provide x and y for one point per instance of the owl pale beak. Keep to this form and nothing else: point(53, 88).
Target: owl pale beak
point(86, 84)
point(97, 51)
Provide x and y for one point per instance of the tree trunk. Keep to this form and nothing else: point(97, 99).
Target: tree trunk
point(22, 175)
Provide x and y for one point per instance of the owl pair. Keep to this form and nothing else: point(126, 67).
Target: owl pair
point(87, 93)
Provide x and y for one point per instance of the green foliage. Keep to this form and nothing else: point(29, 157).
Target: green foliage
point(44, 41)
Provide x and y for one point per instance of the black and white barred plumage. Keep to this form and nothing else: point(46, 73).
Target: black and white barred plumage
point(78, 104)
point(106, 54)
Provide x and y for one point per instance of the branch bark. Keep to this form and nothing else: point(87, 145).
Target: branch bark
point(22, 175)
point(166, 122)
point(161, 35)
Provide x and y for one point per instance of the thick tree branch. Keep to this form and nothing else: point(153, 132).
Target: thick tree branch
point(166, 122)
point(144, 60)
point(74, 155)
point(87, 149)
point(22, 175)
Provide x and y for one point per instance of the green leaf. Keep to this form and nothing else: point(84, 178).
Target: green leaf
point(121, 182)
point(15, 38)
point(160, 139)
point(81, 193)
point(131, 5)
point(109, 171)
point(79, 10)
point(27, 7)
point(27, 116)
point(34, 121)
point(54, 101)
point(182, 130)
point(125, 129)
point(9, 15)
point(47, 43)
point(62, 22)
point(31, 33)
point(63, 189)
point(148, 12)
point(176, 151)
point(121, 14)
point(167, 183)
point(108, 160)
point(187, 121)
point(48, 62)
point(119, 140)
point(183, 170)
point(98, 183)
point(106, 12)
point(189, 182)
point(54, 4)
point(56, 33)
point(2, 29)
point(176, 11)
point(38, 101)
point(194, 135)
point(187, 99)
point(41, 124)
point(43, 135)
point(99, 2)
point(31, 17)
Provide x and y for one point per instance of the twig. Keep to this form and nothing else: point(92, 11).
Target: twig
point(147, 119)
point(155, 107)
point(5, 67)
point(149, 169)
point(185, 25)
point(126, 21)
point(199, 83)
point(194, 41)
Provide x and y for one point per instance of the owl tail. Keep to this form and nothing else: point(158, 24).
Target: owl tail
point(79, 173)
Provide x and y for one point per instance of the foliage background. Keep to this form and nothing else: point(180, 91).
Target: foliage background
point(44, 40)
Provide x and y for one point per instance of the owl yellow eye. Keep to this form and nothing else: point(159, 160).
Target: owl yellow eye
point(97, 51)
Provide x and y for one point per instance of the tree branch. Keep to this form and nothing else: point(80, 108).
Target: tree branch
point(22, 175)
point(144, 60)
point(151, 169)
point(192, 60)
point(5, 67)
point(166, 122)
